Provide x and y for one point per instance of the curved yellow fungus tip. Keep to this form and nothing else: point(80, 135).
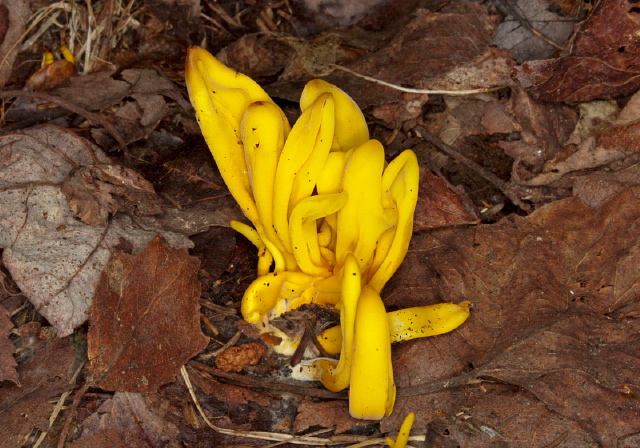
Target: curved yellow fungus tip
point(423, 321)
point(351, 127)
point(403, 435)
point(372, 392)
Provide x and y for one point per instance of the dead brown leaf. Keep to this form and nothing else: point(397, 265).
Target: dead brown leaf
point(326, 414)
point(46, 374)
point(605, 146)
point(555, 314)
point(145, 319)
point(7, 349)
point(96, 191)
point(195, 187)
point(441, 204)
point(52, 75)
point(14, 16)
point(55, 259)
point(601, 59)
point(232, 396)
point(132, 420)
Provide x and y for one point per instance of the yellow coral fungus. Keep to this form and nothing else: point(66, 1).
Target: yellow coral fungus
point(331, 221)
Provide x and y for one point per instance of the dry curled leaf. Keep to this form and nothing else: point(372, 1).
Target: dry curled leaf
point(96, 191)
point(52, 75)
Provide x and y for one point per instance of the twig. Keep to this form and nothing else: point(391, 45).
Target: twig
point(412, 90)
point(92, 117)
point(353, 441)
point(268, 385)
point(503, 186)
point(58, 406)
point(71, 414)
point(229, 343)
point(262, 435)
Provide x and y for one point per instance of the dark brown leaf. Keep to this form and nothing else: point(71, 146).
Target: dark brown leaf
point(131, 420)
point(555, 314)
point(602, 59)
point(145, 319)
point(197, 190)
point(232, 396)
point(326, 414)
point(7, 349)
point(28, 406)
point(96, 191)
point(441, 204)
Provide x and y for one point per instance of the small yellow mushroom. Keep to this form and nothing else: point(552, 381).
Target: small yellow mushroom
point(66, 54)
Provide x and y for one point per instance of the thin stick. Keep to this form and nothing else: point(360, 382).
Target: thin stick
point(503, 186)
point(267, 385)
point(58, 406)
point(92, 117)
point(71, 414)
point(412, 90)
point(262, 435)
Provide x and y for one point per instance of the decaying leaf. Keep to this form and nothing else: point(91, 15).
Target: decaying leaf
point(554, 314)
point(96, 191)
point(441, 204)
point(28, 406)
point(145, 320)
point(55, 259)
point(231, 396)
point(605, 146)
point(7, 363)
point(601, 59)
point(129, 419)
point(197, 190)
point(326, 414)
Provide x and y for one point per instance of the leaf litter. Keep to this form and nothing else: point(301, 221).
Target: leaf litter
point(528, 208)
